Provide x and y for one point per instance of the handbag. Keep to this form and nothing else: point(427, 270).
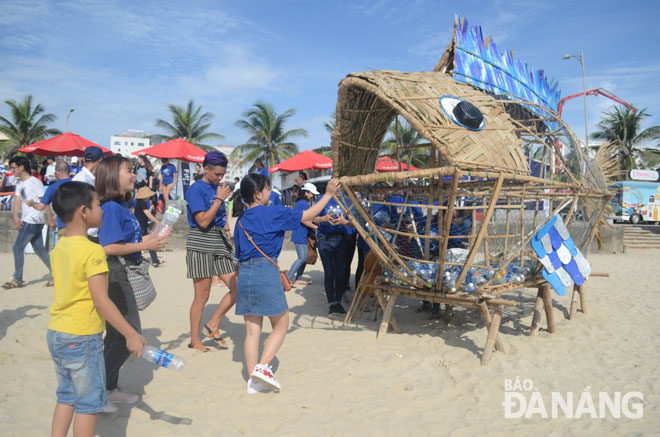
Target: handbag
point(312, 254)
point(286, 283)
point(143, 287)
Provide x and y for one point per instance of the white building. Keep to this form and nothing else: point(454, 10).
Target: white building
point(234, 168)
point(129, 142)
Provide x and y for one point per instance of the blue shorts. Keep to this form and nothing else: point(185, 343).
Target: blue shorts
point(80, 370)
point(260, 291)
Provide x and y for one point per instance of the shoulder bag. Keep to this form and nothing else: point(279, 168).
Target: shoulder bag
point(283, 277)
point(143, 287)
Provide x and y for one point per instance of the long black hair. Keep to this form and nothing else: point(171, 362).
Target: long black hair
point(251, 185)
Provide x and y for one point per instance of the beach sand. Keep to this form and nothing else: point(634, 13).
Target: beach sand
point(341, 380)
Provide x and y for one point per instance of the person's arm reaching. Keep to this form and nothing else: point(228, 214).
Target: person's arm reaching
point(98, 287)
point(149, 242)
point(314, 210)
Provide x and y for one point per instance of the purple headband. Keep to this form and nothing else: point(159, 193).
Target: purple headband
point(215, 158)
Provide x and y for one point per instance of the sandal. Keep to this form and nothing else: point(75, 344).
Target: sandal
point(200, 347)
point(50, 283)
point(13, 284)
point(212, 335)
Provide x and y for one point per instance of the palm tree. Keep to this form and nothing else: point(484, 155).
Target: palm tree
point(268, 138)
point(28, 125)
point(403, 134)
point(622, 127)
point(190, 124)
point(331, 124)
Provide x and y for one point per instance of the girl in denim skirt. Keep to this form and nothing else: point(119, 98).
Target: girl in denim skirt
point(260, 293)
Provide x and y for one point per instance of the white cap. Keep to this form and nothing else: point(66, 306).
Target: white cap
point(74, 159)
point(311, 188)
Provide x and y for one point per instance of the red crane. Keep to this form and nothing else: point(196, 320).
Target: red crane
point(594, 92)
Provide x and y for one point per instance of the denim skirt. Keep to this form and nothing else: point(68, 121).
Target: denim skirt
point(260, 291)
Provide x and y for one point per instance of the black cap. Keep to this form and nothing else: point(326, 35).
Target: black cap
point(93, 153)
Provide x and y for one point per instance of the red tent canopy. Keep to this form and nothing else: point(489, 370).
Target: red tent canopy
point(66, 144)
point(175, 149)
point(306, 160)
point(385, 164)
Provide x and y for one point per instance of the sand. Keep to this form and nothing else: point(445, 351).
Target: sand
point(342, 381)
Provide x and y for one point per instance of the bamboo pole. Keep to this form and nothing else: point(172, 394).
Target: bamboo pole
point(493, 331)
point(387, 315)
point(574, 302)
point(583, 298)
point(538, 308)
point(482, 231)
point(445, 231)
point(485, 315)
point(547, 304)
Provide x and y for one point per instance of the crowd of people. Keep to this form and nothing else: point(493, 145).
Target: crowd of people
point(102, 211)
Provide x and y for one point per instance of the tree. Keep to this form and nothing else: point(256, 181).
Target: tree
point(268, 138)
point(622, 127)
point(190, 124)
point(28, 125)
point(403, 134)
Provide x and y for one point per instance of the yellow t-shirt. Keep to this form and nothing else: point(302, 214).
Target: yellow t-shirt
point(73, 261)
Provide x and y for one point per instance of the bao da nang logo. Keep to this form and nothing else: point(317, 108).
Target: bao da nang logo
point(522, 399)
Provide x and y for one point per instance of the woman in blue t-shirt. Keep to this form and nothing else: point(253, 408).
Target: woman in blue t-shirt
point(299, 235)
point(122, 240)
point(168, 180)
point(209, 251)
point(260, 292)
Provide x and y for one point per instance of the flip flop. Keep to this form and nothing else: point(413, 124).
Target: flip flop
point(13, 284)
point(200, 347)
point(50, 283)
point(212, 335)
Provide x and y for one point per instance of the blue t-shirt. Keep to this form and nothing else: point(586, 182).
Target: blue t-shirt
point(200, 197)
point(299, 235)
point(48, 197)
point(275, 198)
point(263, 172)
point(76, 169)
point(119, 225)
point(325, 227)
point(168, 171)
point(266, 226)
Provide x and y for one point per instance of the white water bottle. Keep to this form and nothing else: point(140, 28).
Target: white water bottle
point(174, 211)
point(162, 358)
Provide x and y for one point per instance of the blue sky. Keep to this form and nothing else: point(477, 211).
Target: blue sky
point(120, 63)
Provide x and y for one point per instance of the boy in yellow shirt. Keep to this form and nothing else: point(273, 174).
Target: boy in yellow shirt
point(78, 315)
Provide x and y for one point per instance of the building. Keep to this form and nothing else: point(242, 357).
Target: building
point(129, 142)
point(234, 168)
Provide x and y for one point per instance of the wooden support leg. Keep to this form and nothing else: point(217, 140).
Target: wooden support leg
point(485, 314)
point(354, 304)
point(492, 335)
point(538, 308)
point(387, 315)
point(574, 302)
point(582, 289)
point(449, 313)
point(547, 303)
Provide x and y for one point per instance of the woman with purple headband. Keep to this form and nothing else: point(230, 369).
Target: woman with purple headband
point(209, 250)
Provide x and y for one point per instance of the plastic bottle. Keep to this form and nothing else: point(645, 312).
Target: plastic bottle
point(172, 213)
point(162, 358)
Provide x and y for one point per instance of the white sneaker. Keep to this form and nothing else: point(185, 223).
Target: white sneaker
point(119, 397)
point(255, 387)
point(264, 374)
point(109, 408)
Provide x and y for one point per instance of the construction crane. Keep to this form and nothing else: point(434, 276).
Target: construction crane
point(594, 92)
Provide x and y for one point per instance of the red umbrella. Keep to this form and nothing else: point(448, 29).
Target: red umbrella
point(175, 149)
point(66, 144)
point(306, 160)
point(385, 164)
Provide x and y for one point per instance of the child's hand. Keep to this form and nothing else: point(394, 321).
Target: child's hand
point(341, 220)
point(332, 187)
point(135, 343)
